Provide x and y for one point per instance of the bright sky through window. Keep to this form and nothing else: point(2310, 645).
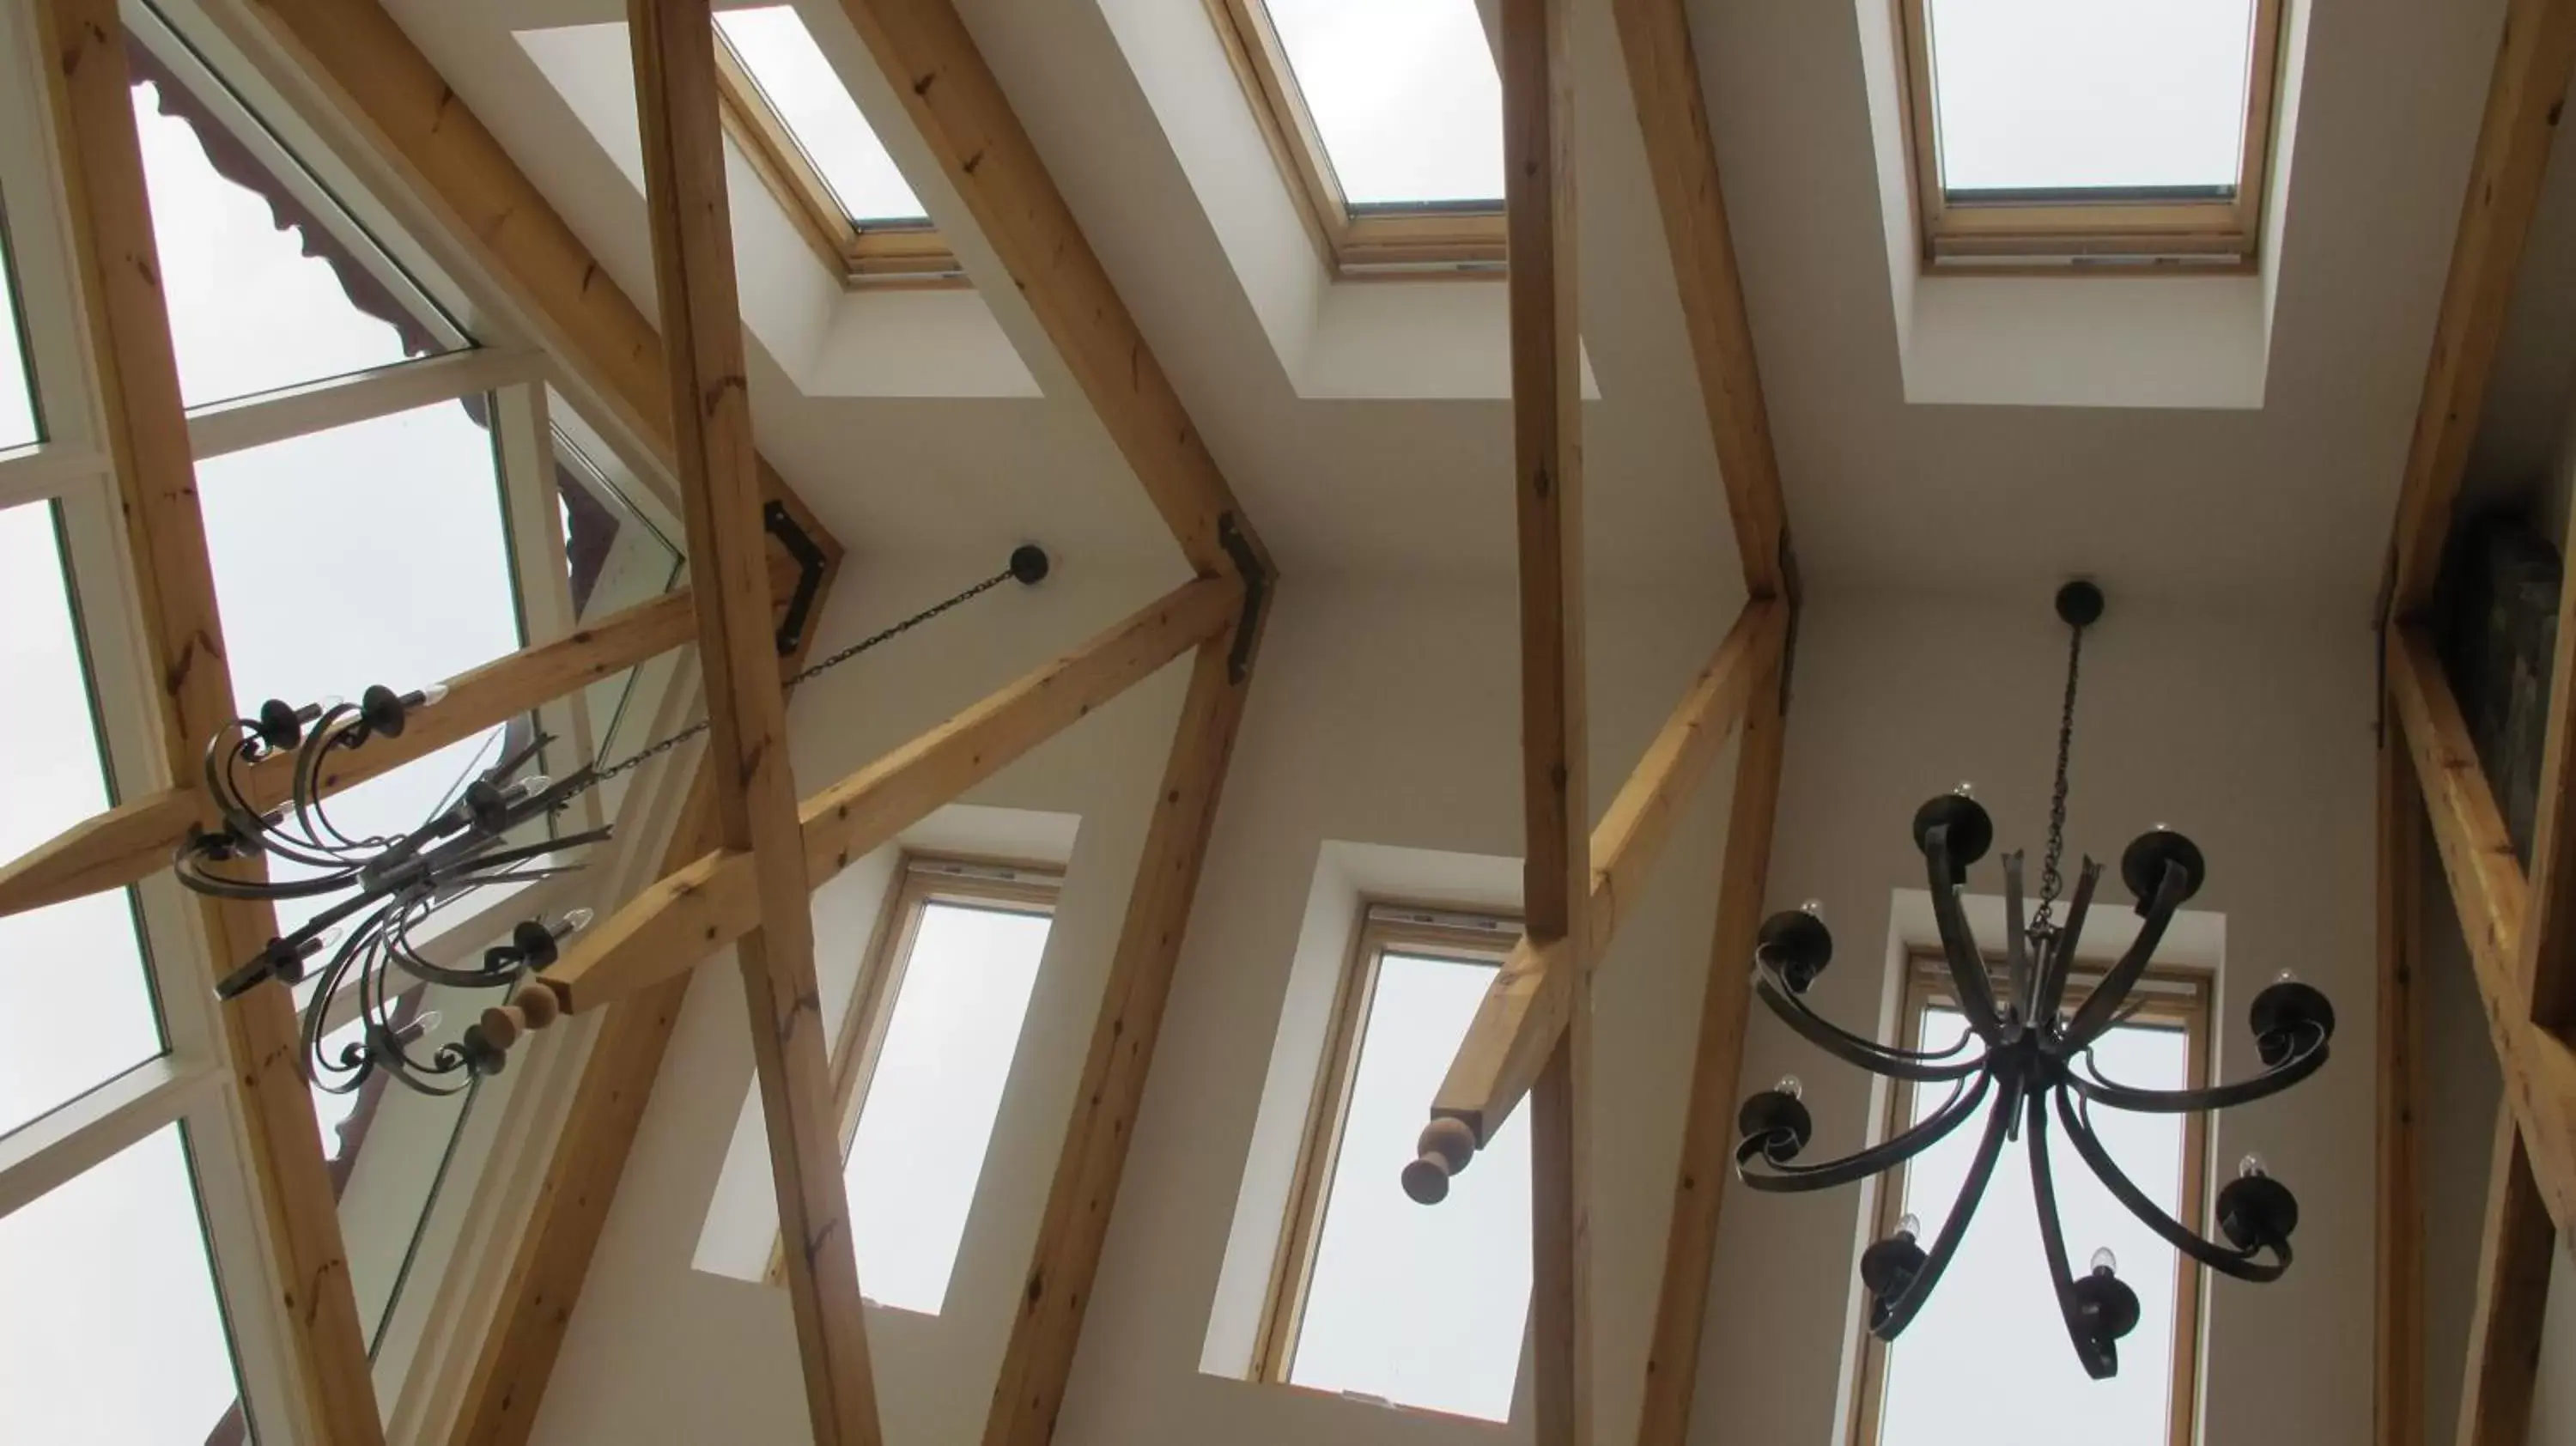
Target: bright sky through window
point(1996, 1303)
point(1404, 94)
point(800, 85)
point(112, 1334)
point(51, 775)
point(17, 401)
point(1370, 1324)
point(2076, 95)
point(932, 1099)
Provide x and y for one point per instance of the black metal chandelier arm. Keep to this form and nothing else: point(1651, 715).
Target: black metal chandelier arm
point(1784, 1178)
point(2017, 960)
point(1958, 944)
point(2059, 964)
point(1852, 1049)
point(2100, 1361)
point(2226, 1260)
point(1890, 1318)
point(2306, 1057)
point(2094, 1018)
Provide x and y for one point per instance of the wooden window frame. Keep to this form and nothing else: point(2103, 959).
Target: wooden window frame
point(1470, 935)
point(1410, 239)
point(2178, 998)
point(881, 253)
point(920, 880)
point(2115, 229)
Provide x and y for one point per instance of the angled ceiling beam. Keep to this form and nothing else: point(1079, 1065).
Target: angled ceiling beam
point(1708, 1130)
point(1066, 1260)
point(145, 432)
point(2515, 1257)
point(2533, 60)
point(134, 840)
point(397, 103)
point(986, 154)
point(755, 789)
point(2398, 1407)
point(1672, 114)
point(693, 911)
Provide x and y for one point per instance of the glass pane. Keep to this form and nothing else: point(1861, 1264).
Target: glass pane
point(17, 389)
point(1404, 96)
point(113, 1335)
point(801, 87)
point(370, 553)
point(1996, 1302)
point(934, 1093)
point(79, 961)
point(1369, 1326)
point(2057, 95)
point(262, 294)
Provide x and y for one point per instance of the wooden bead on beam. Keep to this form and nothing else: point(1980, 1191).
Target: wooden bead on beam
point(1447, 1145)
point(503, 1024)
point(538, 1003)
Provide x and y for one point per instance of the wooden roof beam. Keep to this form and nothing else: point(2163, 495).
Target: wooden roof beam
point(1672, 115)
point(755, 789)
point(2534, 58)
point(986, 154)
point(144, 429)
point(2398, 1342)
point(2515, 1258)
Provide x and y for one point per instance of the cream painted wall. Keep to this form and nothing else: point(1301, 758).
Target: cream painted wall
point(2253, 734)
point(1382, 713)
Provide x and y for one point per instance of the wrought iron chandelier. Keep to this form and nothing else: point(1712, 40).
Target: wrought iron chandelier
point(2025, 1056)
point(398, 883)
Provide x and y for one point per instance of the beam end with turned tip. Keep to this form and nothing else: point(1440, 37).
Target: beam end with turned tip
point(1447, 1145)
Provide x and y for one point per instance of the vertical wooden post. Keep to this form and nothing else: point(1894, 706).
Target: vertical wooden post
point(2514, 1262)
point(145, 433)
point(2400, 1266)
point(755, 793)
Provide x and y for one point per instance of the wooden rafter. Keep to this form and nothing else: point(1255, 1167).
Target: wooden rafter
point(695, 909)
point(2533, 60)
point(1681, 155)
point(1708, 1132)
point(2398, 1408)
point(755, 789)
point(145, 432)
point(1080, 1202)
point(386, 92)
point(134, 839)
point(2515, 1256)
point(987, 155)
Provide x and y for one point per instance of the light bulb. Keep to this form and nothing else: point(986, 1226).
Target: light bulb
point(419, 1028)
point(1909, 1225)
point(2104, 1262)
point(1964, 790)
point(2160, 828)
point(1812, 908)
point(2286, 976)
point(573, 923)
point(2251, 1166)
point(430, 696)
point(1789, 1086)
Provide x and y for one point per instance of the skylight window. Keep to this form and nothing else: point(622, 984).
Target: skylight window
point(1349, 1314)
point(1996, 1303)
point(17, 393)
point(787, 108)
point(1387, 120)
point(2058, 129)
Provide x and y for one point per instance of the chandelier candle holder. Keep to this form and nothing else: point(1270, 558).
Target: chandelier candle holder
point(2025, 1056)
point(396, 883)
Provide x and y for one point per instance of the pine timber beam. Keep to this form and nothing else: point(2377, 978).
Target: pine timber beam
point(2398, 1407)
point(1057, 1289)
point(698, 908)
point(755, 789)
point(1681, 155)
point(145, 432)
point(1708, 1130)
point(135, 839)
point(1524, 1011)
point(2534, 58)
point(2514, 1263)
point(986, 154)
point(448, 162)
point(2538, 1067)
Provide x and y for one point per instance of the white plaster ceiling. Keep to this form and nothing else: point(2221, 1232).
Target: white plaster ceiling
point(2286, 502)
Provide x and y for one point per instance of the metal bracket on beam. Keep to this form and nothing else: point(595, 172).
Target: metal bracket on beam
point(810, 567)
point(1256, 593)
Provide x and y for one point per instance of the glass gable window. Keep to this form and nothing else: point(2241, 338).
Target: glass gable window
point(1996, 1303)
point(1347, 1314)
point(1387, 119)
point(17, 392)
point(2093, 130)
point(786, 107)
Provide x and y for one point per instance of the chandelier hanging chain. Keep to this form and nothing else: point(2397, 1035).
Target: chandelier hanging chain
point(2043, 920)
point(652, 751)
